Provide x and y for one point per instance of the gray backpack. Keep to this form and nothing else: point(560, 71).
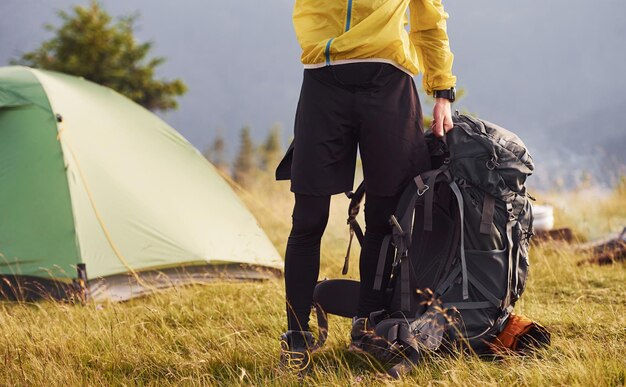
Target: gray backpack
point(459, 246)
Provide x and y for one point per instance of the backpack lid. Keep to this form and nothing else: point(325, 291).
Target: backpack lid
point(489, 157)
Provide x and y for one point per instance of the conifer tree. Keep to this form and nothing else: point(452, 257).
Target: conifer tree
point(89, 44)
point(216, 153)
point(245, 165)
point(218, 149)
point(271, 149)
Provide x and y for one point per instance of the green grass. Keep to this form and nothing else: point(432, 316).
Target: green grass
point(226, 333)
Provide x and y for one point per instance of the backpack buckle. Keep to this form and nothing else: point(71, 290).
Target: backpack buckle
point(400, 237)
point(491, 164)
point(394, 222)
point(509, 209)
point(423, 191)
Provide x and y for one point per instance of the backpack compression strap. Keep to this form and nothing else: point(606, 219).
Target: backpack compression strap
point(459, 197)
point(356, 198)
point(509, 237)
point(492, 300)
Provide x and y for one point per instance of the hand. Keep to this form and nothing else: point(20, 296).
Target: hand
point(442, 117)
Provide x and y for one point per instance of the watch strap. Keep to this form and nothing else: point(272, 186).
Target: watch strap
point(449, 94)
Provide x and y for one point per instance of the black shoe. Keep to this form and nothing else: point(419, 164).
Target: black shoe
point(364, 340)
point(406, 365)
point(359, 329)
point(295, 351)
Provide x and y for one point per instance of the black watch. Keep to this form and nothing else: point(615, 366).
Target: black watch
point(449, 94)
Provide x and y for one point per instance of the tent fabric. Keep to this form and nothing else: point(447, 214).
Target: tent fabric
point(125, 287)
point(37, 235)
point(123, 191)
point(9, 99)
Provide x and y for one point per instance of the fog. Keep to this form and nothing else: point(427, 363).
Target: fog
point(551, 71)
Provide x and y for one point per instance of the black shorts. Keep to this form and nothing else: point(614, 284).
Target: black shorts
point(372, 106)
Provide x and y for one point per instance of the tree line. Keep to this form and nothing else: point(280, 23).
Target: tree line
point(251, 160)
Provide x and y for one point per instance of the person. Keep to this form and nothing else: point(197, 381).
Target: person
point(357, 92)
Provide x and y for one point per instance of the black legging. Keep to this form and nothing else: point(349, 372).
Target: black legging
point(302, 259)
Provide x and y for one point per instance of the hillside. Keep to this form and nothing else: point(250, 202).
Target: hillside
point(227, 333)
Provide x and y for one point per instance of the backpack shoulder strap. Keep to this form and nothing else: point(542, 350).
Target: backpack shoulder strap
point(356, 198)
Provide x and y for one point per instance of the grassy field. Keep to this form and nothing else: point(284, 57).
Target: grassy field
point(226, 333)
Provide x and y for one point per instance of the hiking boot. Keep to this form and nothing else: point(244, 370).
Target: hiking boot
point(406, 365)
point(364, 340)
point(295, 351)
point(359, 329)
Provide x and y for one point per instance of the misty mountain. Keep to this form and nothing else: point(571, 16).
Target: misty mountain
point(544, 69)
point(586, 142)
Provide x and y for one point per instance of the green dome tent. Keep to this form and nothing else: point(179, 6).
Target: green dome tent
point(100, 196)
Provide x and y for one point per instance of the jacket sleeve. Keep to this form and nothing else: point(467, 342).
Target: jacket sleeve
point(429, 36)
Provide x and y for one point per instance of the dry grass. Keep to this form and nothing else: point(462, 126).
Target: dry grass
point(226, 333)
point(590, 211)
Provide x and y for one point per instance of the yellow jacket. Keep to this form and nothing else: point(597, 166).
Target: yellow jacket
point(344, 31)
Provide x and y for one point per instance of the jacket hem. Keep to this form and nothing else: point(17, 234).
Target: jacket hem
point(348, 61)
